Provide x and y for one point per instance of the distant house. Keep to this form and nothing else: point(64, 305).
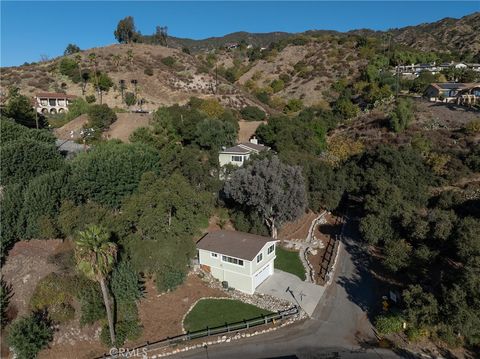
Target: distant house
point(52, 103)
point(238, 154)
point(231, 45)
point(242, 260)
point(469, 95)
point(444, 92)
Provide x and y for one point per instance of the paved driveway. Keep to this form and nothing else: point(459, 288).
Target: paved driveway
point(289, 287)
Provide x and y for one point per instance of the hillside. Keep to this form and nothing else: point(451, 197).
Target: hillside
point(166, 84)
point(458, 35)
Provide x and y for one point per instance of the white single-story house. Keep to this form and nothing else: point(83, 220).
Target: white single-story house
point(243, 260)
point(238, 154)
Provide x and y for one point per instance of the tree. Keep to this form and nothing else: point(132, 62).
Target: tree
point(252, 113)
point(104, 83)
point(275, 190)
point(71, 49)
point(100, 117)
point(5, 296)
point(421, 307)
point(11, 131)
point(125, 30)
point(126, 283)
point(401, 116)
point(19, 108)
point(25, 159)
point(212, 134)
point(28, 335)
point(95, 257)
point(70, 68)
point(111, 171)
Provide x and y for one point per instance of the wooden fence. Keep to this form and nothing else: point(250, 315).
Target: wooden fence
point(207, 332)
point(326, 263)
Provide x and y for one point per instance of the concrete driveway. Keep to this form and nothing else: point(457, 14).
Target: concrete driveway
point(289, 287)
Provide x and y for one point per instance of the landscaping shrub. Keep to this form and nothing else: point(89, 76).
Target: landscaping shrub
point(28, 335)
point(252, 113)
point(169, 278)
point(388, 324)
point(123, 331)
point(54, 294)
point(293, 105)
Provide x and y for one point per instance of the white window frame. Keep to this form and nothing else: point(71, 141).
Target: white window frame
point(271, 249)
point(236, 158)
point(259, 257)
point(213, 255)
point(237, 259)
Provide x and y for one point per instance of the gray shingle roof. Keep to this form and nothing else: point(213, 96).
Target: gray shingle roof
point(246, 147)
point(235, 244)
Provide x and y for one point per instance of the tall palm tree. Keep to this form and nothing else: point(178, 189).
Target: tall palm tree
point(95, 257)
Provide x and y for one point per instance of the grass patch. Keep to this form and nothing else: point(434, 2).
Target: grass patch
point(216, 312)
point(289, 261)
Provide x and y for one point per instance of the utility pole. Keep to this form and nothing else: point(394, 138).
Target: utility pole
point(216, 77)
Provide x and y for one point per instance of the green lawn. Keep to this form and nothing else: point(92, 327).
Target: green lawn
point(289, 261)
point(216, 312)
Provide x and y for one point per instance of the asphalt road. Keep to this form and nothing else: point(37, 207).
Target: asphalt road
point(339, 327)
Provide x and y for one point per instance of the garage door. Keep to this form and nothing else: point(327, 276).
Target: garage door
point(261, 275)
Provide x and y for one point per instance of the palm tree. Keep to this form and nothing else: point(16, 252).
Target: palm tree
point(95, 257)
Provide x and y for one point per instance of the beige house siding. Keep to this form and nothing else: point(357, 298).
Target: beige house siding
point(266, 258)
point(226, 158)
point(239, 277)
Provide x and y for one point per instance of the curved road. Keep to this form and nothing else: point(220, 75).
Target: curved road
point(339, 327)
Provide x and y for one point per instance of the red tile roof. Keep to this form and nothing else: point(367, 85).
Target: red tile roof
point(54, 95)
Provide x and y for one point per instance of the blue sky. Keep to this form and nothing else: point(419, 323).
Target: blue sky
point(31, 29)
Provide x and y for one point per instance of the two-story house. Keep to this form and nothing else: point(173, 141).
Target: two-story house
point(238, 154)
point(243, 260)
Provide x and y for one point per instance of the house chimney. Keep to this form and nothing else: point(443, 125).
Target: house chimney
point(254, 140)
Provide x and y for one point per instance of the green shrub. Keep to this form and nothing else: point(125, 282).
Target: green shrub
point(252, 113)
point(416, 334)
point(148, 71)
point(277, 85)
point(130, 99)
point(293, 105)
point(5, 296)
point(101, 116)
point(388, 324)
point(401, 116)
point(91, 300)
point(169, 278)
point(28, 335)
point(54, 294)
point(123, 331)
point(168, 61)
point(90, 98)
point(69, 67)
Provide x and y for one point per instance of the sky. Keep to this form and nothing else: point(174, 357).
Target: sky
point(30, 29)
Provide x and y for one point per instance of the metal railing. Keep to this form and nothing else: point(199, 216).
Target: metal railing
point(207, 332)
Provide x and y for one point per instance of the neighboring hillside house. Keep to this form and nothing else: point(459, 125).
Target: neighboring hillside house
point(52, 103)
point(445, 92)
point(242, 260)
point(238, 154)
point(469, 96)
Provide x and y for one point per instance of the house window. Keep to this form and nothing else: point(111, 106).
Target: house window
point(259, 257)
point(214, 255)
point(271, 249)
point(237, 159)
point(232, 260)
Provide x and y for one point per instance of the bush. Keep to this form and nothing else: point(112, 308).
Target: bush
point(252, 113)
point(169, 278)
point(90, 98)
point(101, 116)
point(130, 99)
point(388, 324)
point(91, 300)
point(277, 85)
point(28, 335)
point(168, 61)
point(69, 67)
point(473, 126)
point(293, 105)
point(123, 331)
point(148, 71)
point(401, 116)
point(54, 294)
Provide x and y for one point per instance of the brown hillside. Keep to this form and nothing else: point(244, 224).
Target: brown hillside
point(167, 86)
